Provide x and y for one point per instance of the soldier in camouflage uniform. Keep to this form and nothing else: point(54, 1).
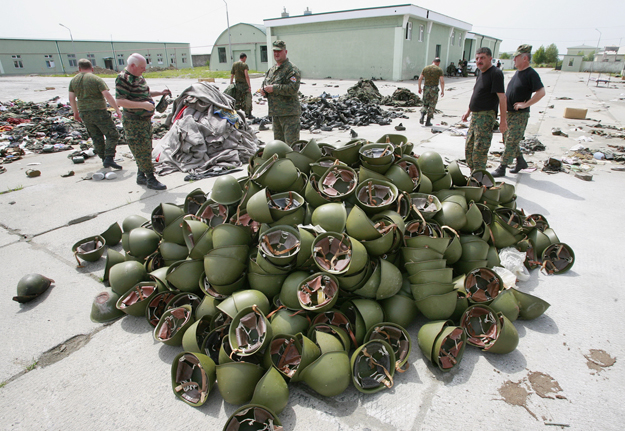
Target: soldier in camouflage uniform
point(134, 95)
point(432, 75)
point(239, 74)
point(92, 94)
point(519, 98)
point(281, 86)
point(488, 95)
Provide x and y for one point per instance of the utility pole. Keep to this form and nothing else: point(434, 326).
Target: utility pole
point(72, 38)
point(593, 59)
point(229, 40)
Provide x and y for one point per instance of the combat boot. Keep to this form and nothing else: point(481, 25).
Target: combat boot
point(428, 123)
point(141, 179)
point(500, 171)
point(108, 162)
point(153, 183)
point(520, 164)
point(422, 118)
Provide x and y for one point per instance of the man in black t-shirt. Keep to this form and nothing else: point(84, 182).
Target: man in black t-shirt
point(519, 98)
point(488, 94)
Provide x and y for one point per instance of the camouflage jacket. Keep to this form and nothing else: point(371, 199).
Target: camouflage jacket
point(431, 75)
point(284, 100)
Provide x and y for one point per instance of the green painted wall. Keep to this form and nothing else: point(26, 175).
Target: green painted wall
point(32, 54)
point(244, 38)
point(350, 49)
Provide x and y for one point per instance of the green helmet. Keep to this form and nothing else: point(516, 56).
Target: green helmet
point(135, 301)
point(397, 337)
point(172, 252)
point(489, 330)
point(318, 293)
point(103, 308)
point(237, 381)
point(113, 235)
point(373, 366)
point(243, 299)
point(89, 249)
point(133, 221)
point(197, 332)
point(375, 196)
point(164, 215)
point(331, 217)
point(253, 417)
point(193, 201)
point(338, 182)
point(284, 321)
point(271, 391)
point(226, 190)
point(558, 258)
point(142, 242)
point(192, 377)
point(482, 285)
point(157, 307)
point(250, 331)
point(290, 355)
point(31, 286)
point(173, 325)
point(431, 164)
point(276, 147)
point(276, 174)
point(125, 275)
point(329, 375)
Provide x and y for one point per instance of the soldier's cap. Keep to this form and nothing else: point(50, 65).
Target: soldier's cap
point(279, 45)
point(523, 49)
point(437, 60)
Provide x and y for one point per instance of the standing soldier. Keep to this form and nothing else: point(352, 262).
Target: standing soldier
point(239, 74)
point(134, 95)
point(91, 92)
point(281, 86)
point(432, 74)
point(488, 95)
point(519, 99)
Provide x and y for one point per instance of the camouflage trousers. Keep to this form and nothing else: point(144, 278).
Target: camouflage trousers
point(517, 122)
point(139, 137)
point(430, 99)
point(479, 137)
point(243, 99)
point(286, 128)
point(99, 124)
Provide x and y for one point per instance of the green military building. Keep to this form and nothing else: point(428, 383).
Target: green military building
point(250, 39)
point(44, 56)
point(389, 42)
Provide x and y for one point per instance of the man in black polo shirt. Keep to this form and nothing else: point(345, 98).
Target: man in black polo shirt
point(488, 94)
point(519, 98)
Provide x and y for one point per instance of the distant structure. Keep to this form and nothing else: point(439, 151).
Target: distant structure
point(49, 56)
point(250, 39)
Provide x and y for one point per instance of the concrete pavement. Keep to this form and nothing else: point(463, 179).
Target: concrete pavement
point(62, 371)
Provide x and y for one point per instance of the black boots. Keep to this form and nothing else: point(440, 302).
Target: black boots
point(428, 123)
point(500, 171)
point(141, 179)
point(153, 183)
point(108, 162)
point(520, 164)
point(422, 118)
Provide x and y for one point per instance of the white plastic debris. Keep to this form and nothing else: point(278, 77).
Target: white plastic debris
point(509, 279)
point(585, 139)
point(110, 175)
point(513, 260)
point(577, 147)
point(599, 155)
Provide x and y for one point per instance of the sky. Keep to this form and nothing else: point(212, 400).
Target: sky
point(199, 23)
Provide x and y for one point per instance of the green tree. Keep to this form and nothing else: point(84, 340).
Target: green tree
point(551, 53)
point(504, 56)
point(589, 57)
point(539, 55)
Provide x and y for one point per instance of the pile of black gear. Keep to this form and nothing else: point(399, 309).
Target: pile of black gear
point(314, 269)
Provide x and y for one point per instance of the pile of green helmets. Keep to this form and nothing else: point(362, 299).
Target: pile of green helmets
point(310, 269)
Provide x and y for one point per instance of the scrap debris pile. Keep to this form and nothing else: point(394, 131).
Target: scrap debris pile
point(39, 127)
point(311, 268)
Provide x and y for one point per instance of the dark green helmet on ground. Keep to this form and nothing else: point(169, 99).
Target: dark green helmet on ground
point(31, 286)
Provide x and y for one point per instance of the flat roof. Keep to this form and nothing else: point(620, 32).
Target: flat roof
point(87, 40)
point(374, 12)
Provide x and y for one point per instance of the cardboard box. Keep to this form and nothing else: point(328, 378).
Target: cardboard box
point(578, 114)
point(206, 80)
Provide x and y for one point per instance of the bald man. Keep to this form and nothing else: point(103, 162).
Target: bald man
point(133, 94)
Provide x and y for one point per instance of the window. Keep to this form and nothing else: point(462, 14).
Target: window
point(222, 55)
point(72, 60)
point(460, 40)
point(571, 62)
point(17, 62)
point(184, 57)
point(49, 61)
point(148, 60)
point(453, 37)
point(409, 31)
point(421, 32)
point(120, 59)
point(91, 58)
point(159, 58)
point(263, 54)
point(172, 58)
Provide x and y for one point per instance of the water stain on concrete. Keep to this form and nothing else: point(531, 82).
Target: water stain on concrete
point(598, 360)
point(515, 394)
point(544, 385)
